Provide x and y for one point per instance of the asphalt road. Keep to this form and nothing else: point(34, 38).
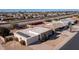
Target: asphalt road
point(73, 44)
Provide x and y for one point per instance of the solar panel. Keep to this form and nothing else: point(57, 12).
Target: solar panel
point(25, 35)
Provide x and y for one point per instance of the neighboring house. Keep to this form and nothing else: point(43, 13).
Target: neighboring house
point(63, 23)
point(67, 20)
point(9, 26)
point(3, 22)
point(32, 35)
point(58, 24)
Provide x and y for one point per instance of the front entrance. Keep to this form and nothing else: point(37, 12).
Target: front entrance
point(43, 37)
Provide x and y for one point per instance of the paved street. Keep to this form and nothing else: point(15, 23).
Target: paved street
point(73, 44)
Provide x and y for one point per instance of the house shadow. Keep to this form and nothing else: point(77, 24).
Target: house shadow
point(55, 36)
point(62, 29)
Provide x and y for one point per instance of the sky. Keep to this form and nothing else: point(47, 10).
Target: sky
point(39, 4)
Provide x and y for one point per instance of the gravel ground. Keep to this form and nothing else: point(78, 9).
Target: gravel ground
point(14, 45)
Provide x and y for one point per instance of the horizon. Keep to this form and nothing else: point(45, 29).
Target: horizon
point(37, 10)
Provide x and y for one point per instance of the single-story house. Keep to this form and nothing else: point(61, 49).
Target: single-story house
point(67, 20)
point(32, 35)
point(59, 24)
point(9, 26)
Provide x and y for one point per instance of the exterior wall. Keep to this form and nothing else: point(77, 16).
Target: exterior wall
point(19, 37)
point(45, 35)
point(27, 40)
point(32, 40)
point(49, 33)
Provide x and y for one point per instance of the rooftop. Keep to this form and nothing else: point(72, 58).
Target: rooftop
point(30, 32)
